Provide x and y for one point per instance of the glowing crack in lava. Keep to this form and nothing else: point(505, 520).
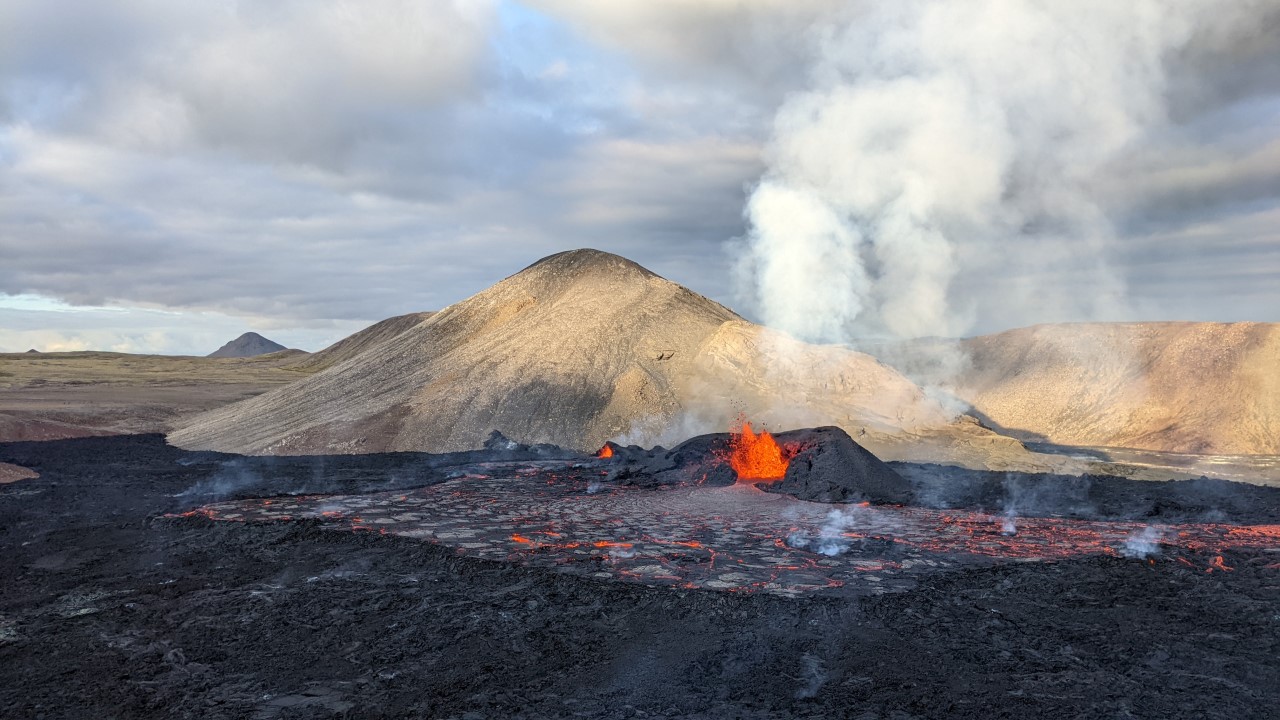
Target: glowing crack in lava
point(605, 452)
point(757, 456)
point(738, 538)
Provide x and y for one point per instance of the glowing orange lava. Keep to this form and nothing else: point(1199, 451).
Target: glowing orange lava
point(756, 457)
point(605, 452)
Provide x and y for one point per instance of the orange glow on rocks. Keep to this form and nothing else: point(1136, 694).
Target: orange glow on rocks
point(1217, 563)
point(756, 456)
point(605, 452)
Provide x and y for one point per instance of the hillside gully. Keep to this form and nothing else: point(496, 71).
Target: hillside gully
point(745, 574)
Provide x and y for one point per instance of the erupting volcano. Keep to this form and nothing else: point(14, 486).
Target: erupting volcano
point(757, 457)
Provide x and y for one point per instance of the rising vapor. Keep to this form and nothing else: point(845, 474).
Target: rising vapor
point(937, 140)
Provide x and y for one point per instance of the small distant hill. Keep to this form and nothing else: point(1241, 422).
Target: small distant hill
point(250, 344)
point(33, 350)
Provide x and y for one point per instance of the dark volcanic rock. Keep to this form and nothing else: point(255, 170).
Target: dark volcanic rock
point(498, 441)
point(110, 610)
point(501, 447)
point(249, 344)
point(696, 461)
point(831, 467)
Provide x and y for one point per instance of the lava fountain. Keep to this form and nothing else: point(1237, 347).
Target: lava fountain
point(757, 457)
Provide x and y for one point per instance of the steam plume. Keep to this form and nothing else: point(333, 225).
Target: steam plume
point(938, 140)
point(1144, 543)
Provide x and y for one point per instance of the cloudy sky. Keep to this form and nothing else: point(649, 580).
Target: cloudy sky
point(175, 172)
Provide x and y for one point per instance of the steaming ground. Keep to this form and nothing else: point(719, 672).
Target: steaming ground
point(109, 609)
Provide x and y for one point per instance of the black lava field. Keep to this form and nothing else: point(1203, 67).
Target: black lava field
point(145, 581)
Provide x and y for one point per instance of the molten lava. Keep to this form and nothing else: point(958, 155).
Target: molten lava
point(605, 452)
point(756, 457)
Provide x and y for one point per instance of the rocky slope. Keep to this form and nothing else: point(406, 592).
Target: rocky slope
point(1179, 387)
point(359, 342)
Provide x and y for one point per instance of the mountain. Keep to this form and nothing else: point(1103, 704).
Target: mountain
point(250, 344)
point(579, 348)
point(1182, 387)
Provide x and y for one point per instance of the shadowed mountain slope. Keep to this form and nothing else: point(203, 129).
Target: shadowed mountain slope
point(362, 341)
point(580, 347)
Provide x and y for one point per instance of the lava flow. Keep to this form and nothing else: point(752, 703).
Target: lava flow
point(757, 456)
point(606, 451)
point(736, 538)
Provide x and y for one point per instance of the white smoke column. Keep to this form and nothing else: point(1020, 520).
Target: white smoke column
point(945, 139)
point(1144, 543)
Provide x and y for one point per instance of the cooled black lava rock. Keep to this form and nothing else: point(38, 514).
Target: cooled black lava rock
point(112, 611)
point(499, 442)
point(831, 467)
point(697, 461)
point(500, 447)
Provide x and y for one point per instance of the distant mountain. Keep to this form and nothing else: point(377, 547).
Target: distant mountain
point(250, 344)
point(33, 350)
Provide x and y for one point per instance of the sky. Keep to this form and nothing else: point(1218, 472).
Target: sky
point(176, 172)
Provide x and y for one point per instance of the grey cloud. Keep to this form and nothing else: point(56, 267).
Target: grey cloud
point(321, 161)
point(761, 47)
point(1231, 56)
point(1189, 181)
point(310, 190)
point(299, 81)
